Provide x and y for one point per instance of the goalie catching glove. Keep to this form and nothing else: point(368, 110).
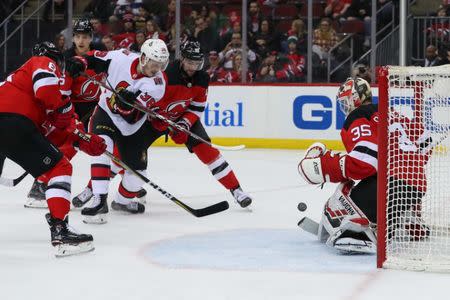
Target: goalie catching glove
point(320, 165)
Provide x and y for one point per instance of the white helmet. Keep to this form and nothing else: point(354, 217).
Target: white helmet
point(352, 93)
point(156, 50)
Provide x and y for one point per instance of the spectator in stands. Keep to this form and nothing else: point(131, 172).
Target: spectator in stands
point(123, 7)
point(108, 42)
point(444, 55)
point(213, 68)
point(431, 57)
point(153, 31)
point(206, 36)
point(295, 70)
point(235, 27)
point(361, 10)
point(323, 40)
point(156, 9)
point(140, 39)
point(100, 9)
point(255, 18)
point(335, 9)
point(268, 69)
point(298, 30)
point(235, 73)
point(263, 40)
point(126, 39)
point(97, 31)
point(114, 25)
point(363, 71)
point(60, 41)
point(168, 19)
point(171, 44)
point(140, 20)
point(232, 48)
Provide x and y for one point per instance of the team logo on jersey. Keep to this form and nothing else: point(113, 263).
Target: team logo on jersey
point(90, 90)
point(175, 109)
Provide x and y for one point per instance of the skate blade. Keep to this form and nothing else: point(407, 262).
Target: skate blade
point(98, 219)
point(69, 250)
point(33, 203)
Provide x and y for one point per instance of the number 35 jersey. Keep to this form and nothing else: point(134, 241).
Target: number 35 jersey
point(360, 138)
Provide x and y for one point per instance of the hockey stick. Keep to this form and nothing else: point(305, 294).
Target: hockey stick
point(309, 225)
point(209, 210)
point(158, 116)
point(13, 182)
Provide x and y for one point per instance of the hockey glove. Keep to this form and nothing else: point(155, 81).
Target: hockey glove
point(128, 96)
point(95, 146)
point(76, 65)
point(321, 165)
point(178, 136)
point(62, 117)
point(158, 124)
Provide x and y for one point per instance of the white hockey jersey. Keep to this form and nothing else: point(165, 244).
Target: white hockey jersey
point(120, 66)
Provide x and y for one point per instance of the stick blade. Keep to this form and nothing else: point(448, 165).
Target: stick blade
point(309, 225)
point(210, 210)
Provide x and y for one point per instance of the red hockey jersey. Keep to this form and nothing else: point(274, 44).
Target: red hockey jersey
point(359, 135)
point(407, 141)
point(184, 97)
point(33, 90)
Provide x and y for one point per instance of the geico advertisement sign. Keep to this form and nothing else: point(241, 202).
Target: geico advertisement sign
point(303, 112)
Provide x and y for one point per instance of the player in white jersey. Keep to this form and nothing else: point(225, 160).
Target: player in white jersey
point(136, 77)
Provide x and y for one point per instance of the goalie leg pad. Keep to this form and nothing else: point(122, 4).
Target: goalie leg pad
point(343, 226)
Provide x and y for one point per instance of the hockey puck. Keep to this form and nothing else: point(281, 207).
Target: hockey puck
point(302, 206)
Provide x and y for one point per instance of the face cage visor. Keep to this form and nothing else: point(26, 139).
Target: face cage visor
point(194, 65)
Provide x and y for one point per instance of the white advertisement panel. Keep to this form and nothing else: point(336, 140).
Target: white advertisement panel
point(274, 112)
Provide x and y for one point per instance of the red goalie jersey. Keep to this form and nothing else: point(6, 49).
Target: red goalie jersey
point(359, 135)
point(408, 146)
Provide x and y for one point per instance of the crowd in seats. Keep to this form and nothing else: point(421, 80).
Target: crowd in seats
point(277, 35)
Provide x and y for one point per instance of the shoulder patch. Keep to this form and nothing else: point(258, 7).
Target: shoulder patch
point(364, 111)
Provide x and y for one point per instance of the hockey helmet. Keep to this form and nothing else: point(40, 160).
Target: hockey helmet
point(352, 93)
point(49, 49)
point(82, 26)
point(155, 50)
point(192, 51)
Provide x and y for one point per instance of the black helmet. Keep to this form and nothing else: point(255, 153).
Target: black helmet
point(82, 26)
point(191, 49)
point(49, 49)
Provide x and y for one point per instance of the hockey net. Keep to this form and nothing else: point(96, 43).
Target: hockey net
point(414, 168)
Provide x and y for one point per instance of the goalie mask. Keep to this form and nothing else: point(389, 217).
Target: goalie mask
point(154, 52)
point(352, 93)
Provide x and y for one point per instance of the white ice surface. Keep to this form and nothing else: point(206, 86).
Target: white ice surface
point(168, 254)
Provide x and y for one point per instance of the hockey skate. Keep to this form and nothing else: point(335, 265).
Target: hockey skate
point(36, 196)
point(66, 240)
point(241, 197)
point(97, 210)
point(133, 207)
point(82, 198)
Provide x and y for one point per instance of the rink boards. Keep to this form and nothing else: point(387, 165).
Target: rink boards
point(273, 116)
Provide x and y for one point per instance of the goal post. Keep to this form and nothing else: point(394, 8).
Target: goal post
point(413, 208)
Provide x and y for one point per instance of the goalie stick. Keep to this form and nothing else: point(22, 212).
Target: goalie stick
point(158, 116)
point(201, 212)
point(12, 182)
point(309, 225)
